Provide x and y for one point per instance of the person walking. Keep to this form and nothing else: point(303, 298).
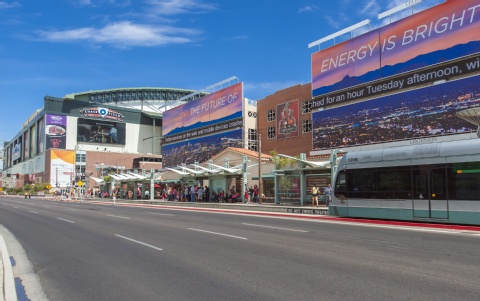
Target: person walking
point(314, 195)
point(328, 194)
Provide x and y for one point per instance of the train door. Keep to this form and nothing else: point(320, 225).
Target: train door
point(429, 194)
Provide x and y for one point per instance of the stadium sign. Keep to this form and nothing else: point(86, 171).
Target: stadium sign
point(103, 113)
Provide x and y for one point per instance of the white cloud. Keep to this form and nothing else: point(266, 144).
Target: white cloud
point(123, 35)
point(5, 5)
point(307, 9)
point(175, 7)
point(85, 2)
point(371, 8)
point(335, 23)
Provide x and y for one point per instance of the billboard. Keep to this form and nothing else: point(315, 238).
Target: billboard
point(217, 107)
point(442, 33)
point(100, 131)
point(62, 167)
point(417, 114)
point(199, 149)
point(287, 113)
point(17, 151)
point(55, 130)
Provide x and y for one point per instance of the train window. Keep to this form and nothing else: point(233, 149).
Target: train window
point(464, 182)
point(421, 183)
point(340, 186)
point(437, 184)
point(394, 180)
point(362, 184)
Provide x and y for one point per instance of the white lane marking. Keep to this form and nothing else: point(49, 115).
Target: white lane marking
point(33, 211)
point(395, 227)
point(161, 214)
point(139, 242)
point(286, 229)
point(216, 233)
point(66, 220)
point(118, 216)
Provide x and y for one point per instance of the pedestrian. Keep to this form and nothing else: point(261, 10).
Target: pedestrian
point(114, 197)
point(314, 195)
point(147, 194)
point(328, 194)
point(207, 194)
point(255, 193)
point(200, 194)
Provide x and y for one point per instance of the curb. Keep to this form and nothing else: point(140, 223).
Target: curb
point(8, 281)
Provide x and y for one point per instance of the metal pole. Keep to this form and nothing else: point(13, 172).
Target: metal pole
point(259, 168)
point(152, 185)
point(244, 178)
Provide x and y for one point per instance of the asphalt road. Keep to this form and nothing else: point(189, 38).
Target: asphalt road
point(84, 251)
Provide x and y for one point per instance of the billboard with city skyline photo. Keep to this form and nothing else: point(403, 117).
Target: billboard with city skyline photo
point(200, 149)
point(422, 113)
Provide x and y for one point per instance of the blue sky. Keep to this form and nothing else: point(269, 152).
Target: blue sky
point(66, 46)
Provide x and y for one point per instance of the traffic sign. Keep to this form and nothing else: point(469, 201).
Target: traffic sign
point(80, 183)
point(48, 186)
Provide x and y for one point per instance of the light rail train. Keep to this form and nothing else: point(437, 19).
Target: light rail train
point(437, 182)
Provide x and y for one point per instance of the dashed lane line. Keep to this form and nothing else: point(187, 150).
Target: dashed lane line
point(216, 233)
point(66, 220)
point(118, 216)
point(270, 227)
point(166, 214)
point(139, 242)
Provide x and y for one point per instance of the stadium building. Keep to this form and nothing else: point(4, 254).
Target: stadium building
point(93, 137)
point(83, 136)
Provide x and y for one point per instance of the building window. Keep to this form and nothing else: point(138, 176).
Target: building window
point(306, 126)
point(252, 139)
point(271, 115)
point(271, 133)
point(81, 158)
point(306, 106)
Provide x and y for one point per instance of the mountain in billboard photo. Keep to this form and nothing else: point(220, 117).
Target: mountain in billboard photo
point(200, 124)
point(418, 62)
point(433, 58)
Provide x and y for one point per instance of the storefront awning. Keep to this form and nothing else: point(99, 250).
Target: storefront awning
point(99, 181)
